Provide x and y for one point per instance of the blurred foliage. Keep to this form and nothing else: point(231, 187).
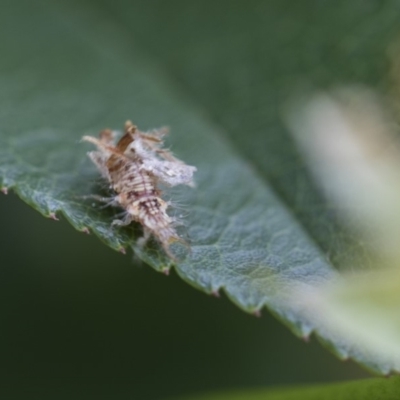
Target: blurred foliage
point(370, 389)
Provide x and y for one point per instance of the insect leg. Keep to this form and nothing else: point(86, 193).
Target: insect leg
point(122, 222)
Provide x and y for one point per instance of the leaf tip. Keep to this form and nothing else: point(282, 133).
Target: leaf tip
point(165, 271)
point(53, 216)
point(257, 313)
point(86, 230)
point(215, 293)
point(4, 190)
point(121, 249)
point(305, 338)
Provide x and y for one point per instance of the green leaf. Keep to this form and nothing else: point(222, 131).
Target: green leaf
point(369, 389)
point(242, 64)
point(69, 69)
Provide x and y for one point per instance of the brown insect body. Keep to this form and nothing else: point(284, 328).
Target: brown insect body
point(134, 167)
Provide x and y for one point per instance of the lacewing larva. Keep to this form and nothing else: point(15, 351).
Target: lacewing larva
point(134, 166)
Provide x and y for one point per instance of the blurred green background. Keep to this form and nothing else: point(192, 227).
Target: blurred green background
point(81, 321)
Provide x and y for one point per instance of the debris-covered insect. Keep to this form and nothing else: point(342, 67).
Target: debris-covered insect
point(134, 167)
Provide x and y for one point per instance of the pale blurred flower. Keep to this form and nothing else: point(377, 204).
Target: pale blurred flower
point(349, 142)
